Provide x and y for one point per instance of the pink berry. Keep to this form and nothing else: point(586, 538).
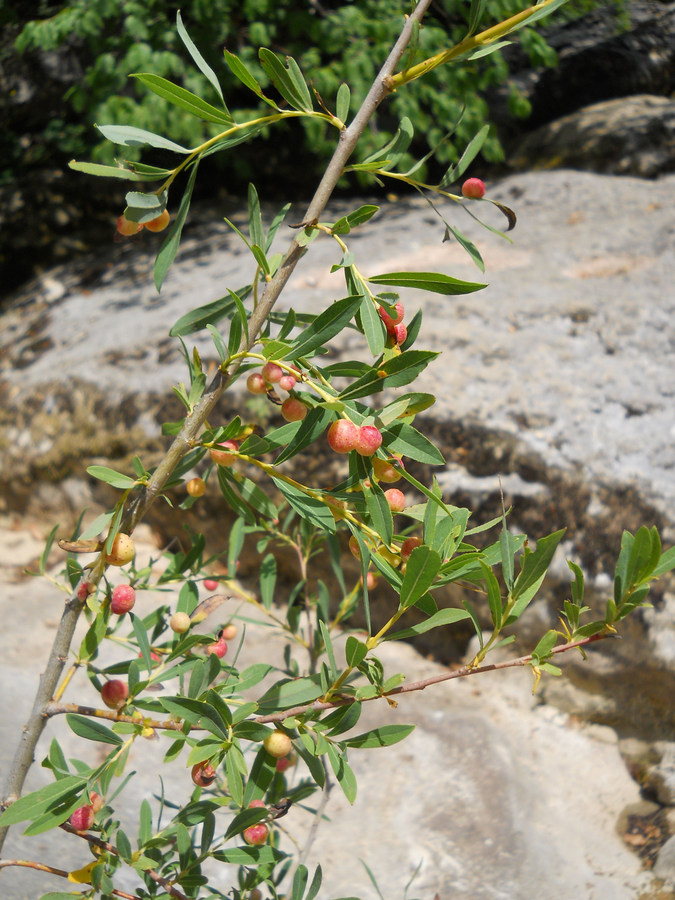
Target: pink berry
point(395, 499)
point(123, 599)
point(409, 545)
point(83, 818)
point(219, 648)
point(272, 373)
point(256, 383)
point(84, 590)
point(473, 189)
point(210, 584)
point(384, 470)
point(388, 320)
point(399, 333)
point(114, 693)
point(287, 382)
point(368, 441)
point(371, 580)
point(256, 834)
point(343, 436)
point(96, 801)
point(122, 550)
point(203, 774)
point(127, 227)
point(228, 632)
point(220, 457)
point(293, 410)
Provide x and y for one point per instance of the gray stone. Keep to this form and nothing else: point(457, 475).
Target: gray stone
point(664, 867)
point(661, 778)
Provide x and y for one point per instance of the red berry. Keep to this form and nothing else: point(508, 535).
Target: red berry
point(384, 470)
point(256, 383)
point(284, 763)
point(203, 774)
point(287, 382)
point(395, 499)
point(127, 227)
point(219, 647)
point(399, 333)
point(473, 189)
point(343, 436)
point(160, 223)
point(122, 550)
point(272, 373)
point(256, 834)
point(83, 818)
point(114, 693)
point(196, 487)
point(409, 545)
point(84, 590)
point(368, 441)
point(222, 458)
point(278, 744)
point(293, 410)
point(388, 320)
point(210, 584)
point(123, 599)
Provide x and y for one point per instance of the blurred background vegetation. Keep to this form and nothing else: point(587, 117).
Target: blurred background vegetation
point(66, 66)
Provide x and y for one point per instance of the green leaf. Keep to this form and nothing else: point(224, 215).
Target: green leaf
point(394, 372)
point(92, 730)
point(408, 441)
point(238, 69)
point(442, 617)
point(311, 427)
point(421, 571)
point(291, 692)
point(355, 651)
point(111, 477)
point(106, 171)
point(169, 248)
point(299, 883)
point(665, 564)
point(288, 80)
point(472, 150)
point(545, 645)
point(143, 642)
point(379, 511)
point(468, 245)
point(387, 157)
point(37, 802)
point(199, 60)
point(326, 325)
point(184, 99)
point(402, 407)
point(476, 12)
point(535, 563)
point(373, 326)
point(345, 776)
point(206, 315)
point(384, 736)
point(342, 102)
point(197, 713)
point(130, 136)
point(435, 282)
point(309, 508)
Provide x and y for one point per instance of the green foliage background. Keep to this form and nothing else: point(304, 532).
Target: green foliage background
point(112, 39)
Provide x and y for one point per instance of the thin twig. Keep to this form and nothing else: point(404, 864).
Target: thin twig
point(41, 867)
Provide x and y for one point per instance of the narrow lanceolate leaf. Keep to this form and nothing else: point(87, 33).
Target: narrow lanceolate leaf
point(92, 730)
point(130, 136)
point(470, 153)
point(325, 326)
point(205, 315)
point(287, 79)
point(384, 736)
point(184, 99)
point(244, 75)
point(394, 372)
point(292, 692)
point(169, 248)
point(34, 804)
point(199, 60)
point(435, 282)
point(404, 439)
point(535, 563)
point(111, 477)
point(373, 327)
point(420, 573)
point(105, 171)
point(310, 508)
point(442, 617)
point(342, 102)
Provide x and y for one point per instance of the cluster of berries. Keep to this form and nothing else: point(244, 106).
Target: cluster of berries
point(271, 375)
point(394, 324)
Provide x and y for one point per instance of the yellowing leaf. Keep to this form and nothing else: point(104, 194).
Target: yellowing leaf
point(83, 875)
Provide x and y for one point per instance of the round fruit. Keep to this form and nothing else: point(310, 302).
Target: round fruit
point(123, 599)
point(203, 774)
point(388, 320)
point(395, 499)
point(228, 632)
point(473, 189)
point(278, 744)
point(384, 470)
point(343, 436)
point(196, 487)
point(272, 373)
point(256, 834)
point(127, 227)
point(399, 333)
point(210, 584)
point(369, 440)
point(256, 383)
point(83, 818)
point(114, 693)
point(293, 410)
point(287, 382)
point(285, 762)
point(160, 223)
point(371, 580)
point(219, 647)
point(408, 545)
point(219, 455)
point(180, 622)
point(122, 550)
